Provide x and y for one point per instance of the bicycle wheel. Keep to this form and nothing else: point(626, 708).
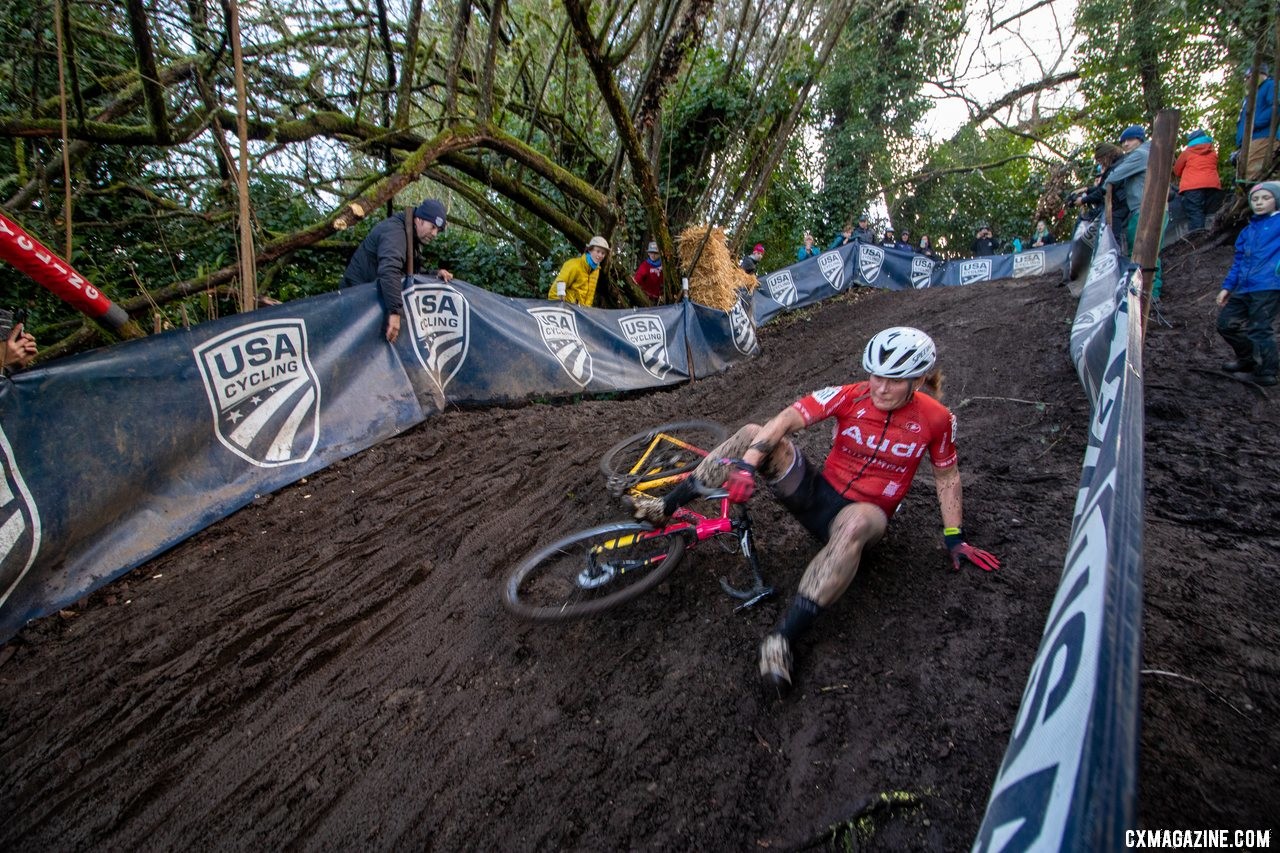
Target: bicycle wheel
point(592, 570)
point(659, 453)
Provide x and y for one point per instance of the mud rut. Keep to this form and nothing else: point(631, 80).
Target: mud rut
point(331, 668)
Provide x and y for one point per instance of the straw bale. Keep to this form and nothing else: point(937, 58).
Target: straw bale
point(717, 277)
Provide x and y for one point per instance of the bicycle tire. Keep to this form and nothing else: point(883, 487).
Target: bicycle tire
point(564, 580)
point(619, 460)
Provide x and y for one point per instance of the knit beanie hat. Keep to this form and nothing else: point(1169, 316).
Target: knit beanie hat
point(1133, 131)
point(432, 210)
point(1199, 137)
point(1272, 187)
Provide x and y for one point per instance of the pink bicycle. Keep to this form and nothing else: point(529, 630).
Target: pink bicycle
point(599, 568)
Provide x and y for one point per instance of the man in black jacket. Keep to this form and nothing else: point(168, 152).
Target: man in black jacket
point(984, 243)
point(382, 257)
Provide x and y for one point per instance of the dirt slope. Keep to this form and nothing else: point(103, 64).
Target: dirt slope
point(331, 668)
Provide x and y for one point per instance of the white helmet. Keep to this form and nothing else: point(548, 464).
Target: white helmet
point(899, 353)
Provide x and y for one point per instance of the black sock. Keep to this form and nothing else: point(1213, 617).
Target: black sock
point(685, 491)
point(799, 617)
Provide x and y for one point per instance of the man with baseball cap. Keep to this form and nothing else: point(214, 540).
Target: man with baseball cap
point(580, 274)
point(1130, 173)
point(383, 255)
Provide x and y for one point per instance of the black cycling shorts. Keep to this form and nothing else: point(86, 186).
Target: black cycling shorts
point(809, 497)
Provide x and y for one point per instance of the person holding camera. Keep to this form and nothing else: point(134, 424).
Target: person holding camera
point(19, 346)
point(984, 243)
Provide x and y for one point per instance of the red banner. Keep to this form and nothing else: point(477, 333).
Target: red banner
point(56, 275)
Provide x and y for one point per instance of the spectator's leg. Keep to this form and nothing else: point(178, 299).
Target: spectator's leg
point(1193, 204)
point(1232, 320)
point(1260, 151)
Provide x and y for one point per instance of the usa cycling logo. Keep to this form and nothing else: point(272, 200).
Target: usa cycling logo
point(1028, 263)
point(263, 391)
point(870, 260)
point(782, 288)
point(649, 337)
point(19, 523)
point(921, 272)
point(441, 318)
point(559, 329)
point(972, 271)
point(1103, 265)
point(832, 266)
point(744, 331)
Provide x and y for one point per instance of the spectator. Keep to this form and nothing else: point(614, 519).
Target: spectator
point(649, 274)
point(19, 347)
point(889, 241)
point(1260, 147)
point(383, 257)
point(984, 243)
point(1196, 171)
point(1131, 172)
point(863, 233)
point(844, 238)
point(1250, 294)
point(1091, 200)
point(1041, 236)
point(581, 272)
point(926, 248)
point(808, 250)
point(904, 241)
point(751, 261)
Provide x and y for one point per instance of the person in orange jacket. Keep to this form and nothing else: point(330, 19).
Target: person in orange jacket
point(1196, 171)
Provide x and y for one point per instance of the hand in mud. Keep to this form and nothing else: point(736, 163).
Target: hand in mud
point(984, 560)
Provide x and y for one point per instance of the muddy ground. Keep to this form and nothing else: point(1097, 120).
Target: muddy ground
point(331, 668)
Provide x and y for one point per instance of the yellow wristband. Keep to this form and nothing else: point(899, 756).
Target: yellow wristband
point(951, 531)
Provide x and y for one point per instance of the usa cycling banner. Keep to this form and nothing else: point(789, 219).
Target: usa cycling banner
point(192, 425)
point(1069, 776)
point(188, 426)
point(467, 345)
point(865, 265)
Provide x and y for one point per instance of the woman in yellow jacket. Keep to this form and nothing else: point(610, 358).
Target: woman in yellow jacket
point(579, 274)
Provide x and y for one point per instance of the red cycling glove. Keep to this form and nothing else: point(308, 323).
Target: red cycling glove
point(962, 550)
point(741, 482)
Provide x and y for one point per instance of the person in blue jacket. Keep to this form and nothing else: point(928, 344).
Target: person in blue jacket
point(808, 250)
point(1250, 293)
point(1260, 147)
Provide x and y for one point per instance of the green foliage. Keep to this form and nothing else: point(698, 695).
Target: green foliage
point(871, 99)
point(950, 208)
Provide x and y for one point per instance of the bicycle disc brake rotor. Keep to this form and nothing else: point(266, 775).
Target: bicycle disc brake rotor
point(596, 575)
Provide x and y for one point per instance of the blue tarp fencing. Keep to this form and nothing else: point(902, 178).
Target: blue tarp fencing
point(1069, 775)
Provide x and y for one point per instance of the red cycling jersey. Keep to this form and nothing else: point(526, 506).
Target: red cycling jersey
point(875, 454)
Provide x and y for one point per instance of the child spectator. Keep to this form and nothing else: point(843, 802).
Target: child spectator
point(1196, 171)
point(649, 274)
point(1250, 293)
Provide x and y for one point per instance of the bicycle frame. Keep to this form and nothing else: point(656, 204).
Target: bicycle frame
point(697, 527)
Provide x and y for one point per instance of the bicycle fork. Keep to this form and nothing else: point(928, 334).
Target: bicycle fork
point(746, 544)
